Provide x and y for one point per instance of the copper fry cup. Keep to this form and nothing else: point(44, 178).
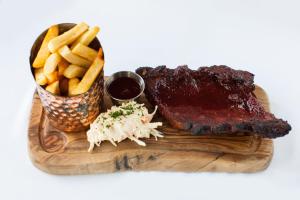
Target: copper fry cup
point(75, 113)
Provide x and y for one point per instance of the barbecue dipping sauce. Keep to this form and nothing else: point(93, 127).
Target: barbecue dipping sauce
point(124, 88)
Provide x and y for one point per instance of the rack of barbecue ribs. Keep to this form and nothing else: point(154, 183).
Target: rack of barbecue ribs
point(210, 100)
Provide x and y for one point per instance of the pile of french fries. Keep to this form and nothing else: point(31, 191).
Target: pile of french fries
point(65, 64)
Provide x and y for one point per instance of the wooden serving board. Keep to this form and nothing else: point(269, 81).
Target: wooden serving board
point(62, 153)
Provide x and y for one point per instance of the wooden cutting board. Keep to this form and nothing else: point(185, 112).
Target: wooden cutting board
point(57, 152)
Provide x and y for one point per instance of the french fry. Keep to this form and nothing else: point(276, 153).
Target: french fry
point(44, 52)
point(67, 54)
point(91, 75)
point(87, 37)
point(85, 52)
point(100, 52)
point(62, 65)
point(74, 71)
point(67, 37)
point(51, 63)
point(73, 82)
point(52, 77)
point(53, 88)
point(40, 78)
point(63, 86)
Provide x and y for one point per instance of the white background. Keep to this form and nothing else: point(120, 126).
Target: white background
point(262, 37)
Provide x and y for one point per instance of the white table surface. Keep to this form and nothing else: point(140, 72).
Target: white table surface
point(262, 37)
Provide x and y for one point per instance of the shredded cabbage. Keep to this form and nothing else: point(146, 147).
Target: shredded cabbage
point(130, 120)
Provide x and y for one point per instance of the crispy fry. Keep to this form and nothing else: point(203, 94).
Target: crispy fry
point(44, 52)
point(40, 78)
point(73, 82)
point(51, 63)
point(87, 37)
point(91, 75)
point(74, 71)
point(53, 88)
point(62, 65)
point(100, 52)
point(85, 52)
point(67, 37)
point(66, 53)
point(52, 77)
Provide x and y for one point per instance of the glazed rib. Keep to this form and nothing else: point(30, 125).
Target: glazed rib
point(210, 100)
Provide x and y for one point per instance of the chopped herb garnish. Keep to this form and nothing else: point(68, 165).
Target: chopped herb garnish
point(129, 112)
point(129, 107)
point(116, 114)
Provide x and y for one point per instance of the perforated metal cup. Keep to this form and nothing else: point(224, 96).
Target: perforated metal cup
point(70, 114)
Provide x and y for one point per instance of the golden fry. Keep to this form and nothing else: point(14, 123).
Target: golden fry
point(87, 37)
point(53, 88)
point(51, 63)
point(72, 86)
point(52, 77)
point(44, 52)
point(67, 37)
point(85, 52)
point(91, 75)
point(67, 54)
point(62, 65)
point(74, 71)
point(100, 52)
point(40, 78)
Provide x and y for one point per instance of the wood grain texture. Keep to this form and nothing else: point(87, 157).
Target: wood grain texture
point(62, 153)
